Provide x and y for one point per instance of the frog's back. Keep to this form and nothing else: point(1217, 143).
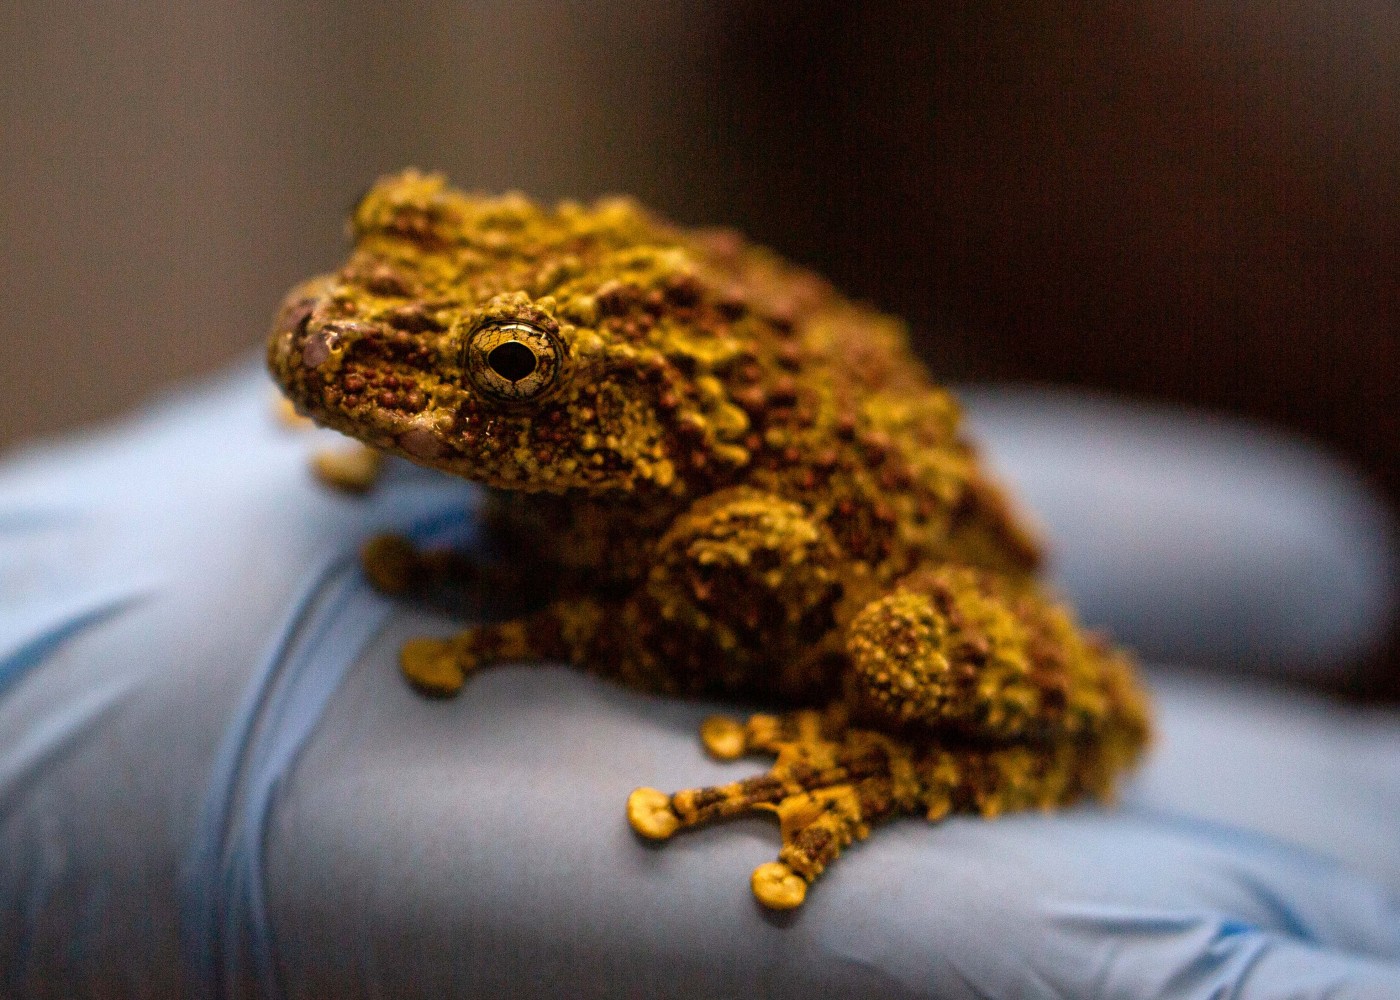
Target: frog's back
point(844, 417)
point(760, 373)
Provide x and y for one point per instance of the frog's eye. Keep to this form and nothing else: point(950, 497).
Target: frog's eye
point(512, 360)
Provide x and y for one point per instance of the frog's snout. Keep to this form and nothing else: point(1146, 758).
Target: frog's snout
point(290, 348)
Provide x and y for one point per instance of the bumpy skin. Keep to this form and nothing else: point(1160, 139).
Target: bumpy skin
point(714, 475)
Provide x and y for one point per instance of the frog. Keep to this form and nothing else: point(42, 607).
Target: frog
point(712, 475)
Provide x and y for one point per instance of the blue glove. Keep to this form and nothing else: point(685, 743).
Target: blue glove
point(212, 781)
point(1197, 539)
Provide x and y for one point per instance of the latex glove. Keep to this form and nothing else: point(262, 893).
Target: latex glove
point(1195, 538)
point(1196, 887)
point(212, 780)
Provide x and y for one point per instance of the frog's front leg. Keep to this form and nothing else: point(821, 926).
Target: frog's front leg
point(396, 566)
point(562, 630)
point(353, 468)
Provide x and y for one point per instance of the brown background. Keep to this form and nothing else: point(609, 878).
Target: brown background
point(1197, 202)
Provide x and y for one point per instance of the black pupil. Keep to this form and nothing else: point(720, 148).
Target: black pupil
point(512, 360)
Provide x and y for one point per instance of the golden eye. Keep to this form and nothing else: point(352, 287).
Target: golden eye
point(513, 360)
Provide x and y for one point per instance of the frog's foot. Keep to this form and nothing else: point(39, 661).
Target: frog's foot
point(831, 783)
point(284, 411)
point(564, 630)
point(828, 786)
point(394, 565)
point(351, 469)
point(439, 667)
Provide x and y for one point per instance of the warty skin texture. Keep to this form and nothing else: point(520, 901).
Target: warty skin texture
point(713, 474)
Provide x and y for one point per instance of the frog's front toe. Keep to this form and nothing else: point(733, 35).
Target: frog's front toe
point(432, 666)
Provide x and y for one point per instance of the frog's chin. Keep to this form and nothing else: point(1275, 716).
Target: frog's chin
point(425, 447)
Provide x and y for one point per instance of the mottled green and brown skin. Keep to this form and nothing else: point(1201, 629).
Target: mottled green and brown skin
point(731, 480)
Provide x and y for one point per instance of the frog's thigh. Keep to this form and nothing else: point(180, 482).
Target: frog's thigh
point(991, 657)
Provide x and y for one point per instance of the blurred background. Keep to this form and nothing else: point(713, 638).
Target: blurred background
point(1191, 203)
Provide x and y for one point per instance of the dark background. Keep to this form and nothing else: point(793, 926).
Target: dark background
point(1193, 203)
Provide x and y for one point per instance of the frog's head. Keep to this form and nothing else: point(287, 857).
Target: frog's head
point(589, 348)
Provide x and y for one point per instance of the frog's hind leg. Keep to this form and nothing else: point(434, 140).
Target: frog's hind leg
point(977, 654)
point(832, 783)
point(828, 786)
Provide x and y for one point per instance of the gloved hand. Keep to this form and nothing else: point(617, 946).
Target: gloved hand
point(212, 781)
point(1199, 540)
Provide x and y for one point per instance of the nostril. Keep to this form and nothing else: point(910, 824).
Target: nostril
point(512, 360)
point(295, 317)
point(317, 348)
